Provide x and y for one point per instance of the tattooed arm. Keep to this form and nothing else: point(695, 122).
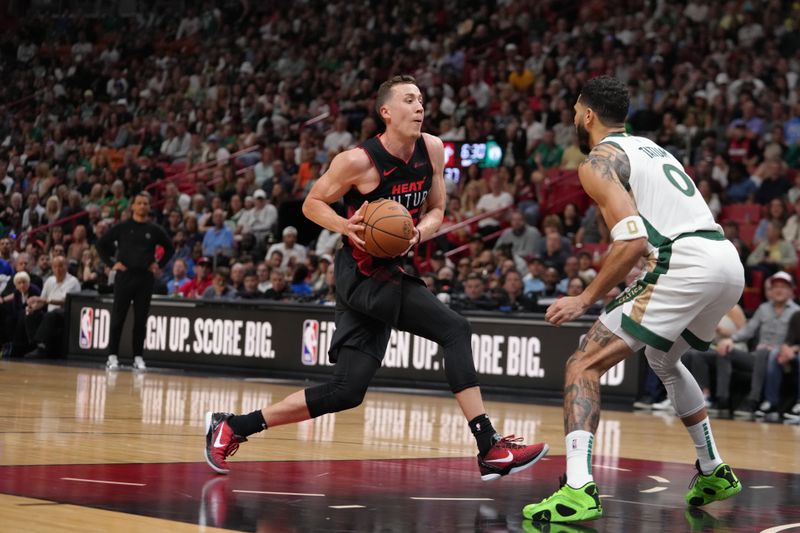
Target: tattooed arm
point(604, 176)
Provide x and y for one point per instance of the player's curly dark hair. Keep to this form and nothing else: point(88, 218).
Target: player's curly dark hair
point(608, 98)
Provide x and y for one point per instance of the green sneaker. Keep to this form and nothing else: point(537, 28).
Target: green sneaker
point(721, 484)
point(567, 505)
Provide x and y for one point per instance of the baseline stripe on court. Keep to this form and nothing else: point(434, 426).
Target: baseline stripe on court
point(278, 493)
point(104, 481)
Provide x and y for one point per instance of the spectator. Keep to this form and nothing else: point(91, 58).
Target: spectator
point(550, 293)
point(201, 281)
point(90, 271)
point(770, 322)
point(250, 288)
point(300, 287)
point(236, 277)
point(585, 268)
point(291, 252)
point(327, 294)
point(525, 240)
point(512, 297)
point(774, 253)
point(532, 281)
point(219, 288)
point(555, 255)
point(180, 278)
point(279, 290)
point(45, 314)
point(260, 220)
point(496, 198)
point(571, 271)
point(327, 242)
point(13, 306)
point(218, 241)
point(548, 154)
point(474, 296)
point(776, 211)
point(23, 264)
point(791, 229)
point(339, 138)
point(78, 244)
point(782, 361)
point(703, 364)
point(263, 272)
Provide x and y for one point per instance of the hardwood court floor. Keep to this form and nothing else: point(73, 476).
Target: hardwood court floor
point(84, 450)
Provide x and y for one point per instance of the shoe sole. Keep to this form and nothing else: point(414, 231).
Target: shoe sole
point(495, 475)
point(712, 499)
point(215, 468)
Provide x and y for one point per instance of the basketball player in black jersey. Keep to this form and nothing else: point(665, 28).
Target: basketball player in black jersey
point(374, 295)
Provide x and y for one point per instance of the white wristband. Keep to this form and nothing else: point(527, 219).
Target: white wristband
point(629, 228)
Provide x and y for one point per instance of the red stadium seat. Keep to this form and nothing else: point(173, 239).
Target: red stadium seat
point(746, 232)
point(741, 213)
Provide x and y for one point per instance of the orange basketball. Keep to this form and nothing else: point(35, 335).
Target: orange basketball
point(389, 228)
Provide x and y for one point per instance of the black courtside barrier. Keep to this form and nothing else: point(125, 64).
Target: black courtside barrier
point(513, 353)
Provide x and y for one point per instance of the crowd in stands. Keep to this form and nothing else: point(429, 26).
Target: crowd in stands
point(227, 114)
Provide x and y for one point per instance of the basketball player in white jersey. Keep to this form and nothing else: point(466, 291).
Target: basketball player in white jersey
point(693, 277)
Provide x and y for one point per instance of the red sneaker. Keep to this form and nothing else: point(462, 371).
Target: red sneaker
point(508, 456)
point(220, 441)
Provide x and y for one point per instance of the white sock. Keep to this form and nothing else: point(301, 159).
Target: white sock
point(706, 448)
point(579, 458)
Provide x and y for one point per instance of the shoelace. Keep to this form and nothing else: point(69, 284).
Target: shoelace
point(510, 442)
point(693, 482)
point(234, 445)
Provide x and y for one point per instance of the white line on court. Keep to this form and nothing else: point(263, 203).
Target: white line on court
point(278, 493)
point(644, 503)
point(654, 489)
point(612, 468)
point(347, 506)
point(103, 481)
point(453, 499)
point(659, 479)
point(761, 487)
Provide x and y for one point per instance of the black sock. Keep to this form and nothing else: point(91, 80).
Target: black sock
point(246, 425)
point(484, 433)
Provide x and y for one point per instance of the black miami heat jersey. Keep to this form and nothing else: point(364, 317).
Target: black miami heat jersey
point(405, 182)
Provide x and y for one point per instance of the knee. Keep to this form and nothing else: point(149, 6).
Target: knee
point(349, 397)
point(457, 328)
point(579, 364)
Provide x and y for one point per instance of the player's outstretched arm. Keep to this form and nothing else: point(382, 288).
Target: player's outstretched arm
point(346, 171)
point(604, 176)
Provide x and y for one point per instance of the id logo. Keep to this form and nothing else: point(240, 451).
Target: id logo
point(309, 355)
point(94, 328)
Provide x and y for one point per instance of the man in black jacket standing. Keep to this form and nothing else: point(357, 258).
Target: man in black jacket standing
point(133, 244)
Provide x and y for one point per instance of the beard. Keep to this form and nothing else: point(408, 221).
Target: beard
point(583, 139)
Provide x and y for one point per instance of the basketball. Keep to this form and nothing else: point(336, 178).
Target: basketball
point(389, 228)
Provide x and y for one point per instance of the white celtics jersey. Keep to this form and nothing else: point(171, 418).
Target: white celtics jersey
point(666, 197)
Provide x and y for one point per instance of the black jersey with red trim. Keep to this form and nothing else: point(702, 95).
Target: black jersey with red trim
point(405, 182)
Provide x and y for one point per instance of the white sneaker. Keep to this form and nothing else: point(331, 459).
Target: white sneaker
point(138, 363)
point(665, 405)
point(793, 413)
point(112, 363)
